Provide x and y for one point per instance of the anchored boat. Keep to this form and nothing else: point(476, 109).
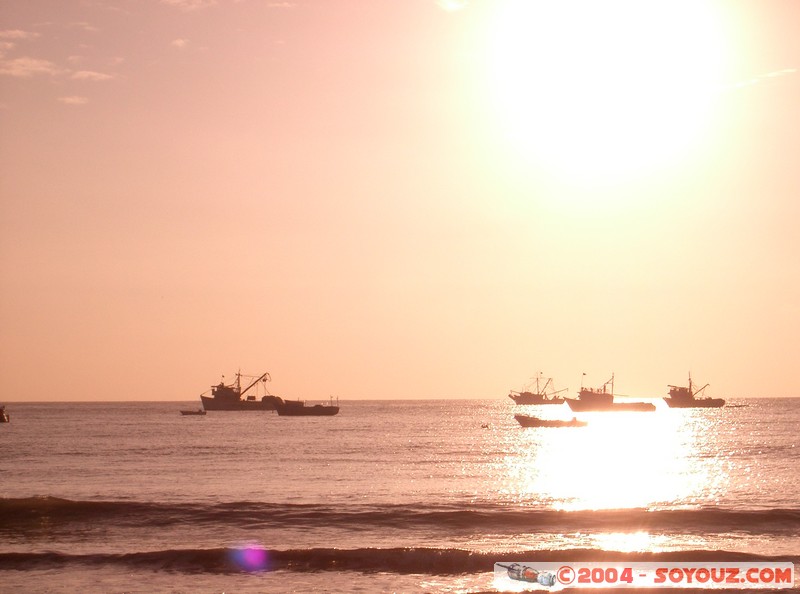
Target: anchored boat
point(539, 396)
point(686, 397)
point(601, 399)
point(527, 421)
point(298, 408)
point(233, 397)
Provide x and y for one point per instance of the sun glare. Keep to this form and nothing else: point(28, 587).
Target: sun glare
point(601, 90)
point(620, 460)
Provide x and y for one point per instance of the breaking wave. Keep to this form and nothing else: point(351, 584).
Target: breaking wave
point(396, 560)
point(31, 513)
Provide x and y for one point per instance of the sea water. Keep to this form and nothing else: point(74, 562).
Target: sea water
point(387, 496)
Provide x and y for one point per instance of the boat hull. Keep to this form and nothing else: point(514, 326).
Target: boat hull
point(527, 421)
point(318, 410)
point(528, 398)
point(582, 406)
point(210, 403)
point(695, 403)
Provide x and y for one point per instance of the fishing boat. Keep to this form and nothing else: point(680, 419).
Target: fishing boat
point(527, 421)
point(602, 399)
point(298, 408)
point(686, 397)
point(4, 416)
point(538, 395)
point(187, 413)
point(233, 397)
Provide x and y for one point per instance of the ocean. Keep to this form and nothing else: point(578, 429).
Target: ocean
point(388, 496)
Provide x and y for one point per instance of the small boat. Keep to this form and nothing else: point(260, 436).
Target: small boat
point(298, 408)
point(686, 397)
point(4, 416)
point(527, 421)
point(187, 413)
point(602, 400)
point(538, 395)
point(232, 397)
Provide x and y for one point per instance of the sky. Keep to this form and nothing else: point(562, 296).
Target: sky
point(398, 199)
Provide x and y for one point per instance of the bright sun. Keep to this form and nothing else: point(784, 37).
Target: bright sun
point(603, 90)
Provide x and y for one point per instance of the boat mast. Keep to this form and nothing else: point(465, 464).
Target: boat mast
point(265, 375)
point(547, 383)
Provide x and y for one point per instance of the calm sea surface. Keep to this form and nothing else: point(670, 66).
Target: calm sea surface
point(404, 496)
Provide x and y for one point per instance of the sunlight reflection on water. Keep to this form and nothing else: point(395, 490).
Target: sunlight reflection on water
point(620, 460)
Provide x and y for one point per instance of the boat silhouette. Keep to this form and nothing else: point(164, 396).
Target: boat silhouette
point(528, 421)
point(232, 397)
point(602, 399)
point(298, 408)
point(539, 396)
point(686, 397)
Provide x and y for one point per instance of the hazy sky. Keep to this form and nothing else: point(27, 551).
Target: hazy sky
point(394, 199)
